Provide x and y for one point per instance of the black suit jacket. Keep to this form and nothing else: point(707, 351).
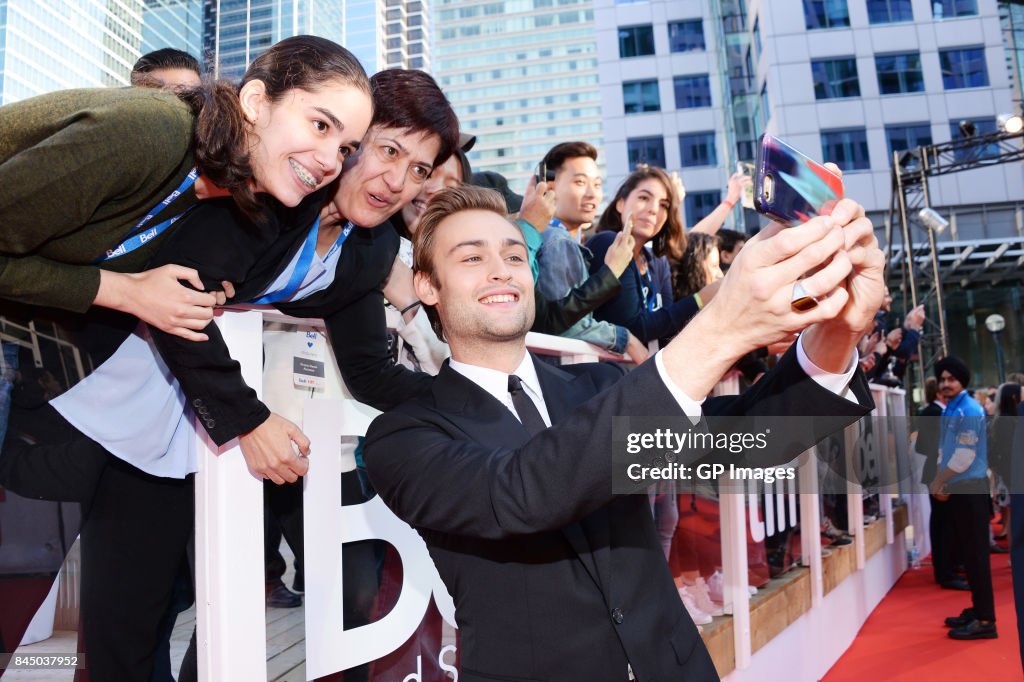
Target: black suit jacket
point(553, 577)
point(222, 245)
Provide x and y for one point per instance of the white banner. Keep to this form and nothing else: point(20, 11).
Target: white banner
point(329, 526)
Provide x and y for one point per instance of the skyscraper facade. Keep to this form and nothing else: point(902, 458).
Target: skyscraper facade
point(48, 45)
point(676, 93)
point(522, 76)
point(691, 85)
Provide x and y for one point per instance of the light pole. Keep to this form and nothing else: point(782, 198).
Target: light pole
point(996, 324)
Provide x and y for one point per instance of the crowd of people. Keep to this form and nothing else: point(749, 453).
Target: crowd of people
point(329, 194)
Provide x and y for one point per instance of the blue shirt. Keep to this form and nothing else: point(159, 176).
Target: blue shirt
point(963, 428)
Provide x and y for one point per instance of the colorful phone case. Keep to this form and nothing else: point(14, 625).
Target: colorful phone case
point(800, 188)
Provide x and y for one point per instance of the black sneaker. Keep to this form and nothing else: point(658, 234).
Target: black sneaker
point(976, 629)
point(299, 583)
point(956, 584)
point(965, 617)
point(280, 597)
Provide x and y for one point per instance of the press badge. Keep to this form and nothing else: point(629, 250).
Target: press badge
point(308, 363)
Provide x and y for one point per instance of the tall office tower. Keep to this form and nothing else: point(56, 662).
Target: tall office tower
point(48, 45)
point(1011, 15)
point(522, 76)
point(173, 23)
point(235, 32)
point(852, 82)
point(676, 92)
point(380, 33)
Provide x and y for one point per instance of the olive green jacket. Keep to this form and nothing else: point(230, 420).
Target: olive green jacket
point(78, 170)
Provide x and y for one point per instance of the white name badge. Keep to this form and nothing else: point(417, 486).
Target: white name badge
point(308, 362)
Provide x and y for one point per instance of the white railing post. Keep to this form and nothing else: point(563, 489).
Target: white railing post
point(810, 523)
point(230, 602)
point(732, 512)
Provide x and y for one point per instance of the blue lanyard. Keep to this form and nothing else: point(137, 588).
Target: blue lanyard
point(303, 264)
point(647, 288)
point(137, 238)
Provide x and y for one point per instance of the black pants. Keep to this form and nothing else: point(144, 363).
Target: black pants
point(282, 515)
point(971, 514)
point(135, 530)
point(946, 553)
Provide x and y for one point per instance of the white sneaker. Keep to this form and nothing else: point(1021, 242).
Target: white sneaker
point(716, 585)
point(698, 616)
point(700, 593)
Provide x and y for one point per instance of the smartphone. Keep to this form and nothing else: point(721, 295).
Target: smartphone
point(543, 174)
point(747, 168)
point(789, 187)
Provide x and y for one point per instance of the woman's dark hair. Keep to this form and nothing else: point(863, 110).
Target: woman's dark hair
point(671, 238)
point(222, 138)
point(411, 100)
point(692, 276)
point(1009, 399)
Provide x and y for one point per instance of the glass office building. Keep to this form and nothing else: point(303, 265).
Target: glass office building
point(48, 45)
point(522, 76)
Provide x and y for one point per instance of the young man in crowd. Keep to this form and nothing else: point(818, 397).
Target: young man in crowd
point(730, 244)
point(962, 483)
point(562, 260)
point(553, 576)
point(166, 69)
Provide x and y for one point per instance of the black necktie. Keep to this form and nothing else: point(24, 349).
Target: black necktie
point(525, 408)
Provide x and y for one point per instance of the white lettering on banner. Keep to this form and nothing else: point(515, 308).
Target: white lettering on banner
point(329, 526)
point(418, 675)
point(775, 504)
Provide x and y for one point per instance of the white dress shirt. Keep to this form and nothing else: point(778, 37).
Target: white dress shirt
point(495, 382)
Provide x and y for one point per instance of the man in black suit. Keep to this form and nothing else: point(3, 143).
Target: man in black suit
point(552, 575)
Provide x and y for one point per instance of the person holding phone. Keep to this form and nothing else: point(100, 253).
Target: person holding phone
point(647, 204)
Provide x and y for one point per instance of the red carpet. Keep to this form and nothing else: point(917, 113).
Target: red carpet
point(904, 638)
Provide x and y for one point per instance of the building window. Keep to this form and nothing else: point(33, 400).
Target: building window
point(835, 78)
point(899, 73)
point(945, 9)
point(641, 96)
point(963, 68)
point(636, 41)
point(698, 149)
point(699, 205)
point(686, 36)
point(889, 11)
point(982, 126)
point(904, 137)
point(692, 92)
point(848, 149)
point(757, 37)
point(649, 150)
point(826, 14)
point(416, 63)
